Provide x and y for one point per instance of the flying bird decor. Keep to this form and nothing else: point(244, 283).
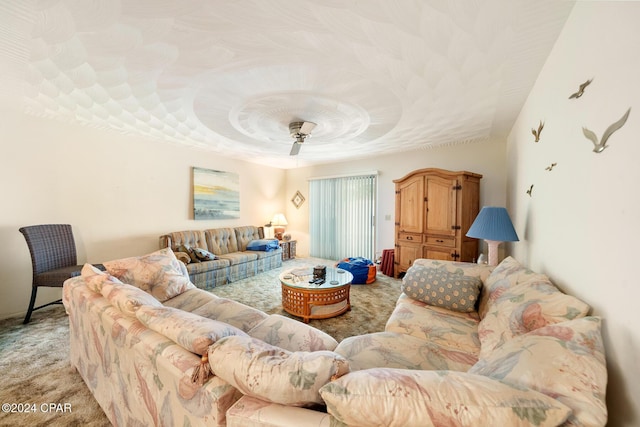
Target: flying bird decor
point(537, 133)
point(581, 89)
point(550, 167)
point(599, 146)
point(530, 190)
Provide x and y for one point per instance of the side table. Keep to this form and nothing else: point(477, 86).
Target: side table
point(288, 249)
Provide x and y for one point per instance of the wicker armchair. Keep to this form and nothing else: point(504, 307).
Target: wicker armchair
point(53, 257)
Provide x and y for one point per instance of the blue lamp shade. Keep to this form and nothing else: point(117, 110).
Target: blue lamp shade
point(493, 223)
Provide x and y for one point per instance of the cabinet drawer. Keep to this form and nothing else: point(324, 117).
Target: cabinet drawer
point(408, 237)
point(441, 241)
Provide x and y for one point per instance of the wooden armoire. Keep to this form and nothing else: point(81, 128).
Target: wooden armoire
point(434, 210)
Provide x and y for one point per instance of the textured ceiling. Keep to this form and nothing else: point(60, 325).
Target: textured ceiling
point(377, 76)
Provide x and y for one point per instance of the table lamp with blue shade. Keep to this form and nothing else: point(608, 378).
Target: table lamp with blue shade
point(494, 226)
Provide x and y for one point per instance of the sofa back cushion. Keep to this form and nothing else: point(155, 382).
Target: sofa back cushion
point(408, 397)
point(158, 273)
point(292, 335)
point(507, 274)
point(190, 238)
point(232, 312)
point(246, 234)
point(126, 298)
point(221, 240)
point(565, 361)
point(273, 374)
point(523, 308)
point(190, 331)
point(95, 278)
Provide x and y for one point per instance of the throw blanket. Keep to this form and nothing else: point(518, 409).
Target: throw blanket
point(266, 245)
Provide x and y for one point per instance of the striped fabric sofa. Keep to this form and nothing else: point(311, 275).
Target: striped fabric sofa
point(233, 261)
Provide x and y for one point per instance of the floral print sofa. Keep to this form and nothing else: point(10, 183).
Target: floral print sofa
point(231, 260)
point(140, 331)
point(466, 345)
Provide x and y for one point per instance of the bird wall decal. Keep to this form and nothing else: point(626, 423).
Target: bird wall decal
point(580, 91)
point(550, 167)
point(530, 190)
point(538, 132)
point(599, 146)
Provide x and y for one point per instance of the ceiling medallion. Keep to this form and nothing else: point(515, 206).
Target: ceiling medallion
point(267, 117)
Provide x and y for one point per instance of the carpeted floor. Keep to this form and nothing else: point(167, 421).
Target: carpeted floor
point(34, 358)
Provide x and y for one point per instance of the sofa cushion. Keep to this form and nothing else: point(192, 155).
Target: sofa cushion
point(451, 329)
point(292, 335)
point(442, 288)
point(192, 332)
point(232, 312)
point(126, 298)
point(206, 266)
point(507, 274)
point(565, 361)
point(399, 397)
point(236, 258)
point(270, 373)
point(96, 278)
point(159, 273)
point(523, 308)
point(394, 350)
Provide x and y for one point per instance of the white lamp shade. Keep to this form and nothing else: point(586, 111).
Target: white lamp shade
point(279, 219)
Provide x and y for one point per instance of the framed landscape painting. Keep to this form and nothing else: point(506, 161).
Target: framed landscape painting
point(216, 194)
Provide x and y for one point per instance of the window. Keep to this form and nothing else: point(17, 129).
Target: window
point(342, 216)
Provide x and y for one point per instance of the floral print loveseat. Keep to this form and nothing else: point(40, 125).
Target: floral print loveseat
point(466, 345)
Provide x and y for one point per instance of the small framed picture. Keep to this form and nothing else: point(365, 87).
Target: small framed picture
point(298, 199)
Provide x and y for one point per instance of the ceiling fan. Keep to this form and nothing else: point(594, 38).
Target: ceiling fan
point(299, 131)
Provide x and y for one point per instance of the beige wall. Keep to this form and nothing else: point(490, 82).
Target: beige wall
point(119, 192)
point(581, 224)
point(486, 158)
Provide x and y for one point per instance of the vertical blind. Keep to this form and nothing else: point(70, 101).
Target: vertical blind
point(342, 217)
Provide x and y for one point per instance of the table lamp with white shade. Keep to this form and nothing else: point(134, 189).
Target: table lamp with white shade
point(278, 222)
point(494, 226)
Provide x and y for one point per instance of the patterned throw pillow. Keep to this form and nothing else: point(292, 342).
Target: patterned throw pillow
point(565, 361)
point(408, 397)
point(204, 255)
point(273, 374)
point(189, 251)
point(442, 288)
point(159, 273)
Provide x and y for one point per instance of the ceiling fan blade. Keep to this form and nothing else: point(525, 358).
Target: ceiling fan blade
point(295, 149)
point(307, 127)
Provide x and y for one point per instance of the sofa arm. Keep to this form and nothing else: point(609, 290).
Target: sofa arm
point(165, 241)
point(470, 269)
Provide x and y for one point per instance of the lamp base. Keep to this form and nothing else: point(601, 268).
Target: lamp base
point(278, 232)
point(493, 251)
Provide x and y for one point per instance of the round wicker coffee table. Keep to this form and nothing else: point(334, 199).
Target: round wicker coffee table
point(313, 301)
